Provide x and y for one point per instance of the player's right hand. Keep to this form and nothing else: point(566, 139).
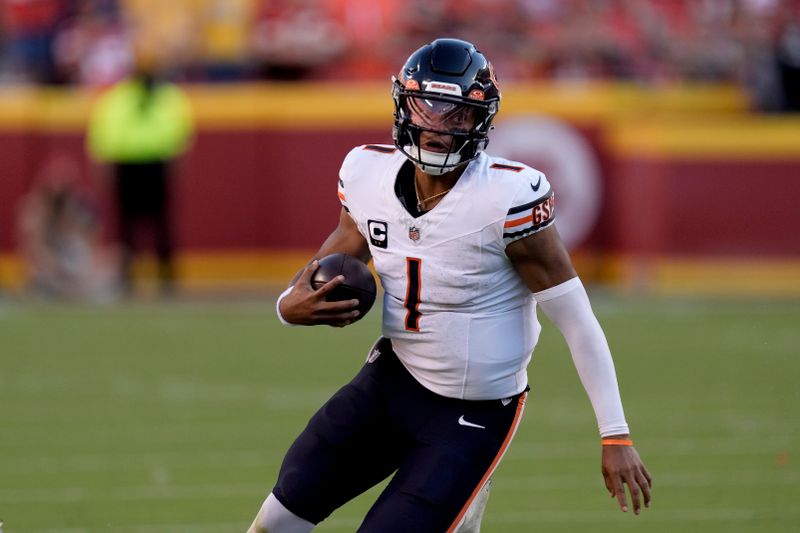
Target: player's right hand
point(307, 306)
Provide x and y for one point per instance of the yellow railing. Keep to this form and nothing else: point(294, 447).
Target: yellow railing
point(369, 104)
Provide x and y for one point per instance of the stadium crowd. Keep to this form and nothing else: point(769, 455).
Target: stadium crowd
point(98, 42)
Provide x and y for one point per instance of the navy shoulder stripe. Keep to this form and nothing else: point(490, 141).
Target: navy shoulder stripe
point(380, 149)
point(528, 230)
point(529, 205)
point(507, 167)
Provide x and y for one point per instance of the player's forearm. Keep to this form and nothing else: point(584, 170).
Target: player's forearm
point(567, 305)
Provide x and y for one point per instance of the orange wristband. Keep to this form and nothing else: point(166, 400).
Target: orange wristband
point(616, 442)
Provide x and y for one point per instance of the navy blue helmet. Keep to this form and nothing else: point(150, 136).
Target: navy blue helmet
point(447, 88)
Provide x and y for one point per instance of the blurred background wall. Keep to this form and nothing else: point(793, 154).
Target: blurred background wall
point(669, 127)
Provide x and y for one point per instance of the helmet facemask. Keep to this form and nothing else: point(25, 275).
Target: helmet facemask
point(440, 132)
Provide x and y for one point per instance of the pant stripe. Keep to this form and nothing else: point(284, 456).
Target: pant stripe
point(509, 436)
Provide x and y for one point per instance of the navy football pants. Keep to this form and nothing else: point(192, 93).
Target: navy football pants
point(442, 449)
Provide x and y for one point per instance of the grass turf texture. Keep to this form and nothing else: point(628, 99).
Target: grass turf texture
point(162, 418)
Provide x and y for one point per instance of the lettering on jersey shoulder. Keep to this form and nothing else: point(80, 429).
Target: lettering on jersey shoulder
point(528, 218)
point(378, 233)
point(380, 149)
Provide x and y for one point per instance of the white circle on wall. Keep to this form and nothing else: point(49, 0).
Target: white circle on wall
point(567, 159)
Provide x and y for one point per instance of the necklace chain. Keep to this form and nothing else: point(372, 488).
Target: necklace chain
point(423, 202)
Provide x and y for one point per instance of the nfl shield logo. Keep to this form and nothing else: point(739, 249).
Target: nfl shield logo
point(413, 233)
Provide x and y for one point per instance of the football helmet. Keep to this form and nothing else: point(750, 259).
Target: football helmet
point(445, 99)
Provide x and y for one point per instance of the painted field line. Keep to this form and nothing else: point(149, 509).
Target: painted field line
point(92, 461)
point(170, 390)
point(139, 493)
point(61, 530)
point(162, 433)
point(694, 515)
point(649, 515)
point(532, 482)
point(199, 527)
point(126, 462)
point(520, 452)
point(502, 484)
point(345, 523)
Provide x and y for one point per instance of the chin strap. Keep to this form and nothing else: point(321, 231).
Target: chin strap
point(434, 163)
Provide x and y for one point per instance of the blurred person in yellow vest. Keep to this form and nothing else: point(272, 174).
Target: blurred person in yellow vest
point(139, 127)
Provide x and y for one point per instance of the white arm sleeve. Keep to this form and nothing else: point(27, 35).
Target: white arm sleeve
point(567, 305)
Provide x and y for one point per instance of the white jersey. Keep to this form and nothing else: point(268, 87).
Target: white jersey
point(460, 318)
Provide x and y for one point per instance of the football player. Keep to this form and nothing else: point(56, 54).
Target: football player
point(465, 248)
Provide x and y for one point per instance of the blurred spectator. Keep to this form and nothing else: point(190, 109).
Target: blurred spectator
point(59, 239)
point(788, 58)
point(225, 29)
point(139, 127)
point(594, 42)
point(752, 42)
point(768, 35)
point(165, 32)
point(372, 38)
point(30, 28)
point(294, 38)
point(502, 27)
point(93, 47)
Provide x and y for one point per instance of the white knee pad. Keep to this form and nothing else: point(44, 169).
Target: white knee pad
point(474, 514)
point(275, 518)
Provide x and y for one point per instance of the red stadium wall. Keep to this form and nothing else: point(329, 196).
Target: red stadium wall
point(251, 189)
point(708, 208)
point(269, 189)
point(713, 187)
point(234, 190)
point(261, 175)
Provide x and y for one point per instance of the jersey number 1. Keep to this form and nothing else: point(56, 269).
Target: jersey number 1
point(413, 270)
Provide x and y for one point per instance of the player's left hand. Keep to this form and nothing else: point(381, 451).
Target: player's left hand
point(622, 466)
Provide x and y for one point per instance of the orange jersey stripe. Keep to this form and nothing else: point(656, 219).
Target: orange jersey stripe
point(495, 462)
point(518, 222)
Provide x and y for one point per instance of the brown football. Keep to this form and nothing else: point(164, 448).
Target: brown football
point(359, 283)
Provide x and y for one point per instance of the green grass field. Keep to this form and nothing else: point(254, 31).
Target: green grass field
point(174, 418)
